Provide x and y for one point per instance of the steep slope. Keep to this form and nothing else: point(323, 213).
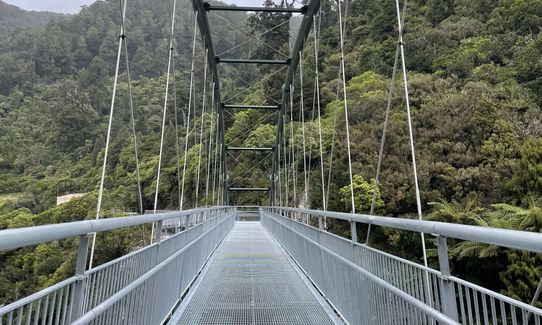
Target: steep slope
point(13, 18)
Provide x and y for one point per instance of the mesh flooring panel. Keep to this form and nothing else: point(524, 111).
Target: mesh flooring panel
point(251, 281)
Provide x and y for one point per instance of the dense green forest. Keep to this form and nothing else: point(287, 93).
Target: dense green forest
point(13, 19)
point(475, 77)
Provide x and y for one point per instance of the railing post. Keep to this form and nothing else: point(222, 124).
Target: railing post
point(80, 267)
point(447, 292)
point(158, 232)
point(354, 232)
point(320, 222)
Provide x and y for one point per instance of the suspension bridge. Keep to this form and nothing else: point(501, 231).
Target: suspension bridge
point(273, 264)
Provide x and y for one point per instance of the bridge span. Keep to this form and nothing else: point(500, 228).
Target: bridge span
point(281, 268)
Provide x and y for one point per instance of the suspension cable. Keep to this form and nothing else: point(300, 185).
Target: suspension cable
point(165, 111)
point(279, 178)
point(177, 147)
point(210, 145)
point(109, 126)
point(309, 158)
point(286, 160)
point(292, 143)
point(215, 158)
point(189, 106)
point(346, 112)
point(134, 134)
point(201, 125)
point(410, 132)
point(319, 114)
point(385, 128)
point(132, 118)
point(302, 120)
point(336, 114)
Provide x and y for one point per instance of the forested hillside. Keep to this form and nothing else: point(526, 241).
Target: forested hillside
point(475, 78)
point(13, 18)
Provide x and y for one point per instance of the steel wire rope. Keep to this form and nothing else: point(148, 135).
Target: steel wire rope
point(302, 120)
point(286, 158)
point(204, 100)
point(109, 127)
point(385, 128)
point(132, 119)
point(319, 115)
point(215, 158)
point(177, 147)
point(210, 145)
point(292, 144)
point(345, 99)
point(309, 159)
point(171, 39)
point(411, 140)
point(333, 129)
point(279, 181)
point(190, 91)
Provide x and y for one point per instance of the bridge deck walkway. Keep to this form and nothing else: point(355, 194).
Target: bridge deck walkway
point(251, 280)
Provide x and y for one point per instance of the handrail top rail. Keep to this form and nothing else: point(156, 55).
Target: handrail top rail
point(524, 240)
point(21, 237)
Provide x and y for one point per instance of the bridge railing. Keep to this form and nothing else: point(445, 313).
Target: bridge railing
point(120, 291)
point(395, 290)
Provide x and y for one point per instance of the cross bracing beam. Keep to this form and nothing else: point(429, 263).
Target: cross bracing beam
point(252, 61)
point(272, 107)
point(210, 7)
point(304, 30)
point(249, 189)
point(249, 148)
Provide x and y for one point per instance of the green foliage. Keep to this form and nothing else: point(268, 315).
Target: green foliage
point(527, 179)
point(363, 194)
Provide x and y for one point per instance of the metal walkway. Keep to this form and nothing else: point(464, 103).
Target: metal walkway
point(251, 280)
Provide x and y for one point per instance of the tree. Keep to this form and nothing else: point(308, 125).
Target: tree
point(527, 179)
point(363, 194)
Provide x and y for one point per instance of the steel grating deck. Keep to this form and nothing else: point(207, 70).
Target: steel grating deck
point(250, 280)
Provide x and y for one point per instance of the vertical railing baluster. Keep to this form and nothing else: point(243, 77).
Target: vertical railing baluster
point(447, 290)
point(353, 232)
point(80, 266)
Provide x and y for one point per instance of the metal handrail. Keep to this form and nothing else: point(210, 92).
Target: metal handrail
point(21, 237)
point(456, 298)
point(111, 301)
point(529, 241)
